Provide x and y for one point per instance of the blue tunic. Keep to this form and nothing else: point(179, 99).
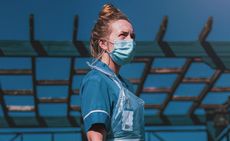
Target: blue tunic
point(99, 95)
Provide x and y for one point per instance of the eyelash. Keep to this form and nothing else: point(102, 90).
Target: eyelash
point(132, 35)
point(122, 36)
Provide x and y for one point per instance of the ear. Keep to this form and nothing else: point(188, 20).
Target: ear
point(103, 45)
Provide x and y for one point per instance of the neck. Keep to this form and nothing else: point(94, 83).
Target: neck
point(107, 60)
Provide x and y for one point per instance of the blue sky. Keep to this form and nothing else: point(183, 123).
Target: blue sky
point(54, 18)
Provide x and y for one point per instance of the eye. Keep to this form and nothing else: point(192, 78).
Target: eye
point(122, 36)
point(133, 36)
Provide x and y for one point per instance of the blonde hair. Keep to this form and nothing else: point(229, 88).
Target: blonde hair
point(101, 29)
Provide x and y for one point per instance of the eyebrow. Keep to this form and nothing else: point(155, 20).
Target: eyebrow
point(126, 33)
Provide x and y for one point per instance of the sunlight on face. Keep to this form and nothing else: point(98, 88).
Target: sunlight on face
point(121, 30)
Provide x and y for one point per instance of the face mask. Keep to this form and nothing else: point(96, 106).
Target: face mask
point(123, 51)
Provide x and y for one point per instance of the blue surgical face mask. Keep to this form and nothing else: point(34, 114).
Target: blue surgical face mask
point(123, 51)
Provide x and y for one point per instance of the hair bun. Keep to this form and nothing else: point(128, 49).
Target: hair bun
point(109, 11)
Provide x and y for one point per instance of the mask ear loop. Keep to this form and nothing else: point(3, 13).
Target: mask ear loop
point(104, 51)
point(98, 57)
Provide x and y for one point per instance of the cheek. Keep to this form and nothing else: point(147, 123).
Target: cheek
point(111, 47)
point(113, 36)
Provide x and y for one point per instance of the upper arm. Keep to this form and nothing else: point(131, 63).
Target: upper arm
point(97, 132)
point(95, 103)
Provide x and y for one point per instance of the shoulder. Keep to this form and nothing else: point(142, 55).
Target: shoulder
point(95, 79)
point(94, 76)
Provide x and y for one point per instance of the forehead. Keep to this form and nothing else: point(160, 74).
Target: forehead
point(121, 26)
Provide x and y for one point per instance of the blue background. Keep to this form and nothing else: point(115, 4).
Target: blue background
point(54, 18)
point(54, 21)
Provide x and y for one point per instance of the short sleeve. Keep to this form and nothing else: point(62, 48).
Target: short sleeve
point(95, 103)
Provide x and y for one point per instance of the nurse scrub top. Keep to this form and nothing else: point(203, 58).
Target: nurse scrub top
point(99, 95)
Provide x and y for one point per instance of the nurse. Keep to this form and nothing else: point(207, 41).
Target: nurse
point(109, 107)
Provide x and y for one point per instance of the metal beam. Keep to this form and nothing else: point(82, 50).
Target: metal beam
point(71, 76)
point(144, 76)
point(156, 90)
point(197, 60)
point(213, 106)
point(35, 44)
point(228, 104)
point(204, 92)
point(9, 120)
point(52, 100)
point(152, 106)
point(211, 131)
point(165, 70)
point(184, 98)
point(52, 82)
point(141, 59)
point(207, 46)
point(135, 81)
point(76, 91)
point(213, 55)
point(160, 39)
point(78, 44)
point(196, 80)
point(75, 28)
point(222, 89)
point(31, 23)
point(206, 30)
point(1, 52)
point(162, 30)
point(140, 81)
point(18, 92)
point(21, 108)
point(36, 100)
point(75, 108)
point(176, 84)
point(15, 72)
point(81, 71)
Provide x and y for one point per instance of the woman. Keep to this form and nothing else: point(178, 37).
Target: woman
point(110, 109)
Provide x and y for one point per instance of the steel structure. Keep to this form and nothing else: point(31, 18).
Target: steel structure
point(215, 55)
